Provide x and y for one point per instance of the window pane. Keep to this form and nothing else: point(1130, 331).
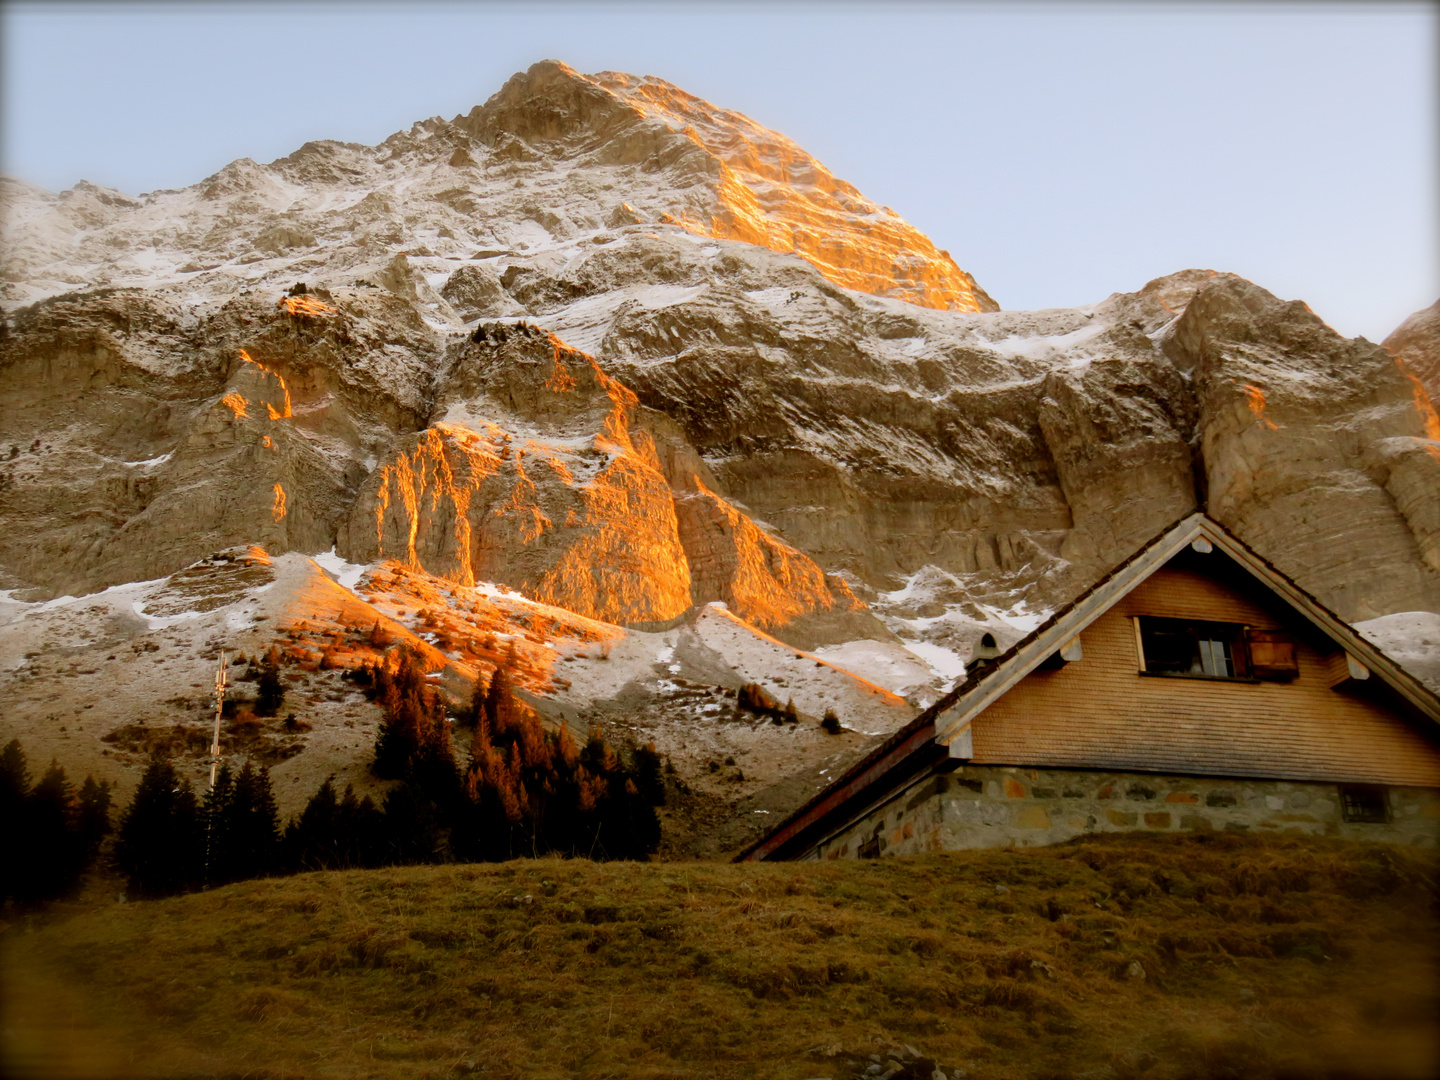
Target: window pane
point(1169, 650)
point(1215, 658)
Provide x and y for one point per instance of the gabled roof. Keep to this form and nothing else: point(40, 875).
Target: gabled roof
point(926, 739)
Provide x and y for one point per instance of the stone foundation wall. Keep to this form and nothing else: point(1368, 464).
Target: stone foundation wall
point(983, 806)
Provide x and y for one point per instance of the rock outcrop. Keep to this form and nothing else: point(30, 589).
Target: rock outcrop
point(1415, 344)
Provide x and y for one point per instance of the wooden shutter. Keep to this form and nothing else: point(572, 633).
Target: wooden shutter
point(1272, 654)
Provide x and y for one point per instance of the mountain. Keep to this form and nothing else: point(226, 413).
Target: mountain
point(636, 361)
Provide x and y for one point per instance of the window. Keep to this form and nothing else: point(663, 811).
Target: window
point(1364, 803)
point(1194, 649)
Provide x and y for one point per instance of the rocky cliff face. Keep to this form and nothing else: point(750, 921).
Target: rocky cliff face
point(1415, 344)
point(609, 345)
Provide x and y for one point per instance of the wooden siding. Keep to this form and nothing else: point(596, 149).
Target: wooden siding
point(1100, 712)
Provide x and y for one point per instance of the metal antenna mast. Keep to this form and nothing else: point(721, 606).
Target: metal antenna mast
point(220, 684)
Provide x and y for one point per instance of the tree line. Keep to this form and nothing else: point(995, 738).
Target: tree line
point(51, 832)
point(524, 791)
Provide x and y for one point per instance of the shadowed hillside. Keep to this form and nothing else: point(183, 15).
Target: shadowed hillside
point(1123, 957)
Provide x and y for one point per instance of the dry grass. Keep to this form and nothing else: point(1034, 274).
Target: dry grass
point(1120, 956)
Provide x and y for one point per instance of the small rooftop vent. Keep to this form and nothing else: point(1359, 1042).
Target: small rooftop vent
point(987, 649)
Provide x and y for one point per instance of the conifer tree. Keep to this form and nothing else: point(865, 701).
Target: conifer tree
point(49, 836)
point(14, 787)
point(408, 704)
point(415, 830)
point(474, 710)
point(215, 823)
point(160, 842)
point(51, 856)
point(270, 690)
point(650, 775)
point(14, 776)
point(334, 833)
point(92, 821)
point(312, 839)
point(252, 827)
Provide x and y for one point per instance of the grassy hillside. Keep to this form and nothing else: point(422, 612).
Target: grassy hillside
point(1118, 956)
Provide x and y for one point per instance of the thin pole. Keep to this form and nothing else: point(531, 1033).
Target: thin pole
point(220, 684)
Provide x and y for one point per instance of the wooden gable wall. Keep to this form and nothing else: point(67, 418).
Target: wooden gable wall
point(1100, 712)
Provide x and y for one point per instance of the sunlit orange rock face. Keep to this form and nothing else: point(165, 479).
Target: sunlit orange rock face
point(537, 477)
point(758, 186)
point(761, 578)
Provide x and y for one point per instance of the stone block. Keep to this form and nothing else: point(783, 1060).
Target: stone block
point(1123, 818)
point(1043, 793)
point(1220, 798)
point(1014, 789)
point(1195, 822)
point(1182, 797)
point(1032, 817)
point(1158, 820)
point(1073, 793)
point(1139, 792)
point(1107, 792)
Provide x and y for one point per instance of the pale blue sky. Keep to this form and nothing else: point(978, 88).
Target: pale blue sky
point(1060, 153)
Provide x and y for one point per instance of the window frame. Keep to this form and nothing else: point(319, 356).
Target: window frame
point(1232, 634)
point(1352, 800)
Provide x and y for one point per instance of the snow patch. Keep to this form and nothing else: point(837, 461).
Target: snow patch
point(1411, 639)
point(348, 574)
point(153, 461)
point(942, 661)
point(897, 668)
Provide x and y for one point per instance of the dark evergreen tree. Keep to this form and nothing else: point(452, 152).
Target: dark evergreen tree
point(415, 829)
point(49, 837)
point(415, 724)
point(252, 828)
point(334, 833)
point(160, 842)
point(270, 689)
point(14, 787)
point(14, 776)
point(92, 821)
point(242, 826)
point(650, 775)
point(215, 822)
point(50, 856)
point(474, 710)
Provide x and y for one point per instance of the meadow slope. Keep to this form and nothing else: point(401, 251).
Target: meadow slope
point(1112, 957)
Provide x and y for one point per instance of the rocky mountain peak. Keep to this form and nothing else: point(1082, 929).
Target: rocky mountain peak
point(746, 182)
